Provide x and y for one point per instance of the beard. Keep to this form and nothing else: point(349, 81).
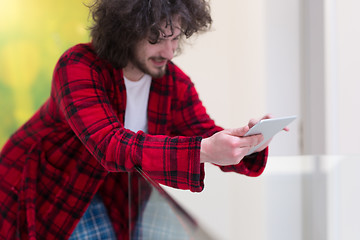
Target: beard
point(156, 72)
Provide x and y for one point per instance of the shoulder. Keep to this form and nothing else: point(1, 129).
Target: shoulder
point(178, 76)
point(80, 64)
point(182, 84)
point(83, 54)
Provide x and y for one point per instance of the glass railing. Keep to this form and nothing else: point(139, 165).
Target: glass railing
point(155, 215)
point(297, 198)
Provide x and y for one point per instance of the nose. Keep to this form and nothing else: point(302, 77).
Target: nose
point(168, 49)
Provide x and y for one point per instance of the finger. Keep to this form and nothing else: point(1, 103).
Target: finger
point(258, 140)
point(252, 141)
point(252, 122)
point(238, 132)
point(267, 116)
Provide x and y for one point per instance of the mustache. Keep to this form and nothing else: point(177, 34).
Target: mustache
point(159, 59)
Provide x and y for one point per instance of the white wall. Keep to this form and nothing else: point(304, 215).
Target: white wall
point(284, 57)
point(330, 74)
point(227, 64)
point(283, 70)
point(345, 73)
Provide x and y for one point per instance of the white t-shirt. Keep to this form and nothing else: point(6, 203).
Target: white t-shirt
point(137, 96)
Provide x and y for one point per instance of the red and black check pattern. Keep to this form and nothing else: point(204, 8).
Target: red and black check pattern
point(76, 145)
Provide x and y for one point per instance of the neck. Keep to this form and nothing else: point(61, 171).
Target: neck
point(132, 73)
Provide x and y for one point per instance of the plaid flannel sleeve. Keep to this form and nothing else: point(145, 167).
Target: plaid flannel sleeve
point(252, 165)
point(80, 95)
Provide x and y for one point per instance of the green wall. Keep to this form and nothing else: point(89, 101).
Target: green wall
point(33, 35)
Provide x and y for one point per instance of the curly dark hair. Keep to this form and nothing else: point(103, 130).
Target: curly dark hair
point(120, 24)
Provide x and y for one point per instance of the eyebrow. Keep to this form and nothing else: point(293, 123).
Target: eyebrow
point(171, 35)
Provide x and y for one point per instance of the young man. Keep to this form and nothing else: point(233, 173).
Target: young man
point(116, 103)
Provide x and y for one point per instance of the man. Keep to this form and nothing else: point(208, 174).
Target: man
point(116, 103)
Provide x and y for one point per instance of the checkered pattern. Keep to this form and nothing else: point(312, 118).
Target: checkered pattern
point(76, 144)
point(95, 224)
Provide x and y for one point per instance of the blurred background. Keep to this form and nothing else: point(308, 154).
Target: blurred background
point(284, 57)
point(33, 35)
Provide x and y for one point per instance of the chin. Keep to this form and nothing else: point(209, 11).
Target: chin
point(159, 73)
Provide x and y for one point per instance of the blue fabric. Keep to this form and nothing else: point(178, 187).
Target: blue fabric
point(95, 224)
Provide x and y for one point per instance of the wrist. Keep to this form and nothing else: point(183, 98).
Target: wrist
point(203, 151)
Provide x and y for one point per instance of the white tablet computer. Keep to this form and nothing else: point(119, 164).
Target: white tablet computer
point(268, 128)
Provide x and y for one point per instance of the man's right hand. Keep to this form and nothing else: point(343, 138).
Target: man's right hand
point(228, 147)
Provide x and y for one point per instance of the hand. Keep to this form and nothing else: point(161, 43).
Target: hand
point(228, 147)
point(252, 122)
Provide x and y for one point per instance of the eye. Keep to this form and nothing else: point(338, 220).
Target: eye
point(160, 40)
point(177, 37)
point(155, 41)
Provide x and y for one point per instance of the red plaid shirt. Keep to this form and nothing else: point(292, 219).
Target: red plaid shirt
point(76, 145)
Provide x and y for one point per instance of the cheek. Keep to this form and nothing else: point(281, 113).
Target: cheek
point(175, 45)
point(143, 53)
point(141, 49)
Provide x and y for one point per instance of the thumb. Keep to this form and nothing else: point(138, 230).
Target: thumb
point(238, 132)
